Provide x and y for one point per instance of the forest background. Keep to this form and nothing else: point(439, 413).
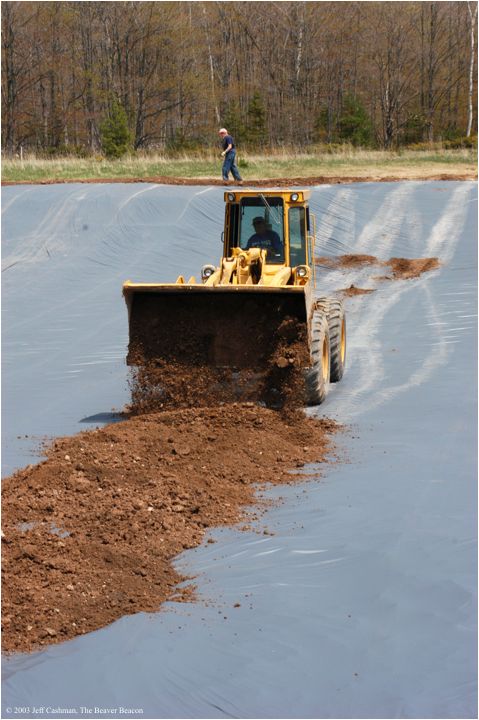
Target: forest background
point(106, 77)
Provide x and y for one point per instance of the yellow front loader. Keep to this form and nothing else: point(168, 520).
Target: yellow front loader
point(260, 295)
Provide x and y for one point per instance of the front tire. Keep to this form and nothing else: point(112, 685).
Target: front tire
point(317, 376)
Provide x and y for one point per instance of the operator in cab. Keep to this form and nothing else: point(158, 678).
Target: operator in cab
point(265, 239)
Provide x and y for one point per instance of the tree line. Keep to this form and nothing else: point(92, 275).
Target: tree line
point(87, 77)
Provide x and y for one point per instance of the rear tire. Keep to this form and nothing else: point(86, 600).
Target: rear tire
point(317, 376)
point(337, 337)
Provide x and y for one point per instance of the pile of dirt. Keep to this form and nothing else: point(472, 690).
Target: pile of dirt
point(352, 291)
point(90, 533)
point(347, 261)
point(402, 268)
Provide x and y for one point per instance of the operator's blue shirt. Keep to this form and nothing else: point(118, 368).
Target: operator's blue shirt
point(268, 241)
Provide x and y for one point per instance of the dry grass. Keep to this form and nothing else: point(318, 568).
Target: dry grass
point(344, 161)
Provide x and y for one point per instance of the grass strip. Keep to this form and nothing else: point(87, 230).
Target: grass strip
point(359, 163)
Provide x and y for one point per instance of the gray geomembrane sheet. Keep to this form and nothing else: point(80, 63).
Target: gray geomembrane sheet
point(363, 602)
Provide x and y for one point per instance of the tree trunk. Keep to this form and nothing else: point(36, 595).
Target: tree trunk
point(472, 17)
point(10, 79)
point(212, 72)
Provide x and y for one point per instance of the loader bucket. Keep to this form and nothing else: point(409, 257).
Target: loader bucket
point(231, 326)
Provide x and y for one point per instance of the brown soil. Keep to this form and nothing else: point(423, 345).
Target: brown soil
point(352, 291)
point(89, 534)
point(349, 261)
point(402, 268)
point(269, 182)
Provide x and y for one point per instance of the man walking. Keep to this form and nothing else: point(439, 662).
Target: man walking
point(229, 155)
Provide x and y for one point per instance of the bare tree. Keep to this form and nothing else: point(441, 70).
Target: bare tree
point(393, 56)
point(211, 64)
point(472, 17)
point(16, 70)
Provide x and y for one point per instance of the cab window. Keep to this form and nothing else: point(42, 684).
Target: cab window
point(261, 226)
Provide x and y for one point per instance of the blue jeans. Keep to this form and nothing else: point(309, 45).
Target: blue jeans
point(229, 165)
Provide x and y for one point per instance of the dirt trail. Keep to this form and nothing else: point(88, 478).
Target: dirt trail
point(90, 533)
point(267, 182)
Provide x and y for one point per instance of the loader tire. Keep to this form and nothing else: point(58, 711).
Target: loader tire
point(337, 338)
point(317, 376)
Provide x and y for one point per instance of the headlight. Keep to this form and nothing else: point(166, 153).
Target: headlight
point(294, 197)
point(302, 271)
point(231, 197)
point(207, 271)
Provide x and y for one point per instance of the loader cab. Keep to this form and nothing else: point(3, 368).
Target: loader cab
point(285, 231)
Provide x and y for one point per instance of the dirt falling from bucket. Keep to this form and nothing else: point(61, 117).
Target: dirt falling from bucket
point(188, 381)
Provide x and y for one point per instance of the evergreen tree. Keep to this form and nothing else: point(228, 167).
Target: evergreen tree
point(324, 126)
point(232, 120)
point(114, 131)
point(354, 123)
point(256, 121)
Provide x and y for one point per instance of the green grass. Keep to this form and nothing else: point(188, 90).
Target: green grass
point(342, 162)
